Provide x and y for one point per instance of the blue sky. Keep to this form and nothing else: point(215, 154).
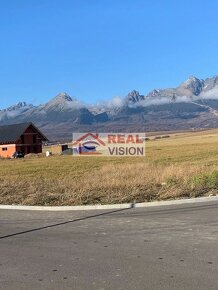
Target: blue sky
point(98, 49)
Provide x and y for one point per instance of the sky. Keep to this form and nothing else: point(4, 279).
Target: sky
point(98, 49)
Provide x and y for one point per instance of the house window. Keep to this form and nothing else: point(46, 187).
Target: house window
point(4, 149)
point(34, 139)
point(22, 139)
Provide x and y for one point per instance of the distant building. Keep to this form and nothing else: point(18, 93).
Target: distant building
point(59, 149)
point(25, 137)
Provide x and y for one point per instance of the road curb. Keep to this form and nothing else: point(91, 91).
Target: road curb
point(110, 206)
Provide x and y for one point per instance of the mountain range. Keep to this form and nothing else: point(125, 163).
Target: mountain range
point(191, 105)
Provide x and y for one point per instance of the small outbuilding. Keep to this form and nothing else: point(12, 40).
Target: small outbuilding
point(24, 137)
point(59, 148)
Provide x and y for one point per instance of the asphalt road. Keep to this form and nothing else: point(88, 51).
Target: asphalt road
point(173, 247)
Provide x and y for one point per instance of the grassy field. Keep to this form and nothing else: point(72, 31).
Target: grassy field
point(184, 165)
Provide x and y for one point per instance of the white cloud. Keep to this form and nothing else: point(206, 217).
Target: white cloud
point(212, 94)
point(163, 100)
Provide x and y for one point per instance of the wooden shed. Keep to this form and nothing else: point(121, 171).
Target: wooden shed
point(59, 148)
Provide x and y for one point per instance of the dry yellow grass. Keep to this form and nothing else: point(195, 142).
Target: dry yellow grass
point(184, 165)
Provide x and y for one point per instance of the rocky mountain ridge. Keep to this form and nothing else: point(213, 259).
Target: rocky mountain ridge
point(193, 104)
